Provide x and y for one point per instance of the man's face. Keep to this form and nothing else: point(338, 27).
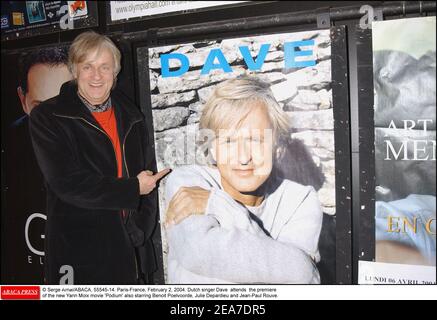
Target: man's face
point(244, 155)
point(43, 82)
point(95, 76)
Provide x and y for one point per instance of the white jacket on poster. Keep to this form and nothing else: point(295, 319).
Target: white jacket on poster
point(227, 245)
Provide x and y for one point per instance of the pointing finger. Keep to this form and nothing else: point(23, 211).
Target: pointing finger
point(161, 174)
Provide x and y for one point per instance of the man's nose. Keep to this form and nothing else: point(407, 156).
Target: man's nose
point(244, 152)
point(96, 74)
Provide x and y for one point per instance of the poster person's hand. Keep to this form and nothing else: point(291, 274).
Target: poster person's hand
point(186, 202)
point(148, 180)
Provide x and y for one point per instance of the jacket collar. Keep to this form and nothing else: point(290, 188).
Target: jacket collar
point(69, 105)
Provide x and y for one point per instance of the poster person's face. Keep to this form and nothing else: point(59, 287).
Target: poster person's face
point(244, 155)
point(95, 76)
point(43, 82)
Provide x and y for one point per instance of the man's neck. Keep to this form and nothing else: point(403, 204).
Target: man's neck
point(96, 108)
point(246, 199)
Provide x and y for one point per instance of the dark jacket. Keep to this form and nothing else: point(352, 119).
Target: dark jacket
point(85, 228)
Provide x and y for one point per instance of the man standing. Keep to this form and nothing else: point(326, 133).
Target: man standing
point(92, 147)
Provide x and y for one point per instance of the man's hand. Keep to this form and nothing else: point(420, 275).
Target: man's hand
point(186, 202)
point(148, 180)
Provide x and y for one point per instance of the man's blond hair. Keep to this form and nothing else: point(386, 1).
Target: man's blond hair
point(232, 101)
point(89, 42)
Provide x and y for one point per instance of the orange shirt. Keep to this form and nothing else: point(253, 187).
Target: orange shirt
point(107, 121)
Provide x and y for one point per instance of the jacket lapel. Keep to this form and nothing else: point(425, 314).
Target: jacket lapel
point(127, 114)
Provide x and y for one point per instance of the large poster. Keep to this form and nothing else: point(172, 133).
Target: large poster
point(404, 68)
point(247, 126)
point(28, 78)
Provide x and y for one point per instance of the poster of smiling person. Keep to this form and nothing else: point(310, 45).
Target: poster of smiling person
point(246, 124)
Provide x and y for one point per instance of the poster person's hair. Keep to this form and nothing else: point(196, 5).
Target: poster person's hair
point(49, 56)
point(232, 100)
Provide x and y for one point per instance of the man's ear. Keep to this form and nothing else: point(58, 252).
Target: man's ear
point(279, 152)
point(22, 97)
point(73, 72)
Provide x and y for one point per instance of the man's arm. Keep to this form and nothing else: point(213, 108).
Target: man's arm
point(203, 247)
point(147, 215)
point(227, 244)
point(188, 192)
